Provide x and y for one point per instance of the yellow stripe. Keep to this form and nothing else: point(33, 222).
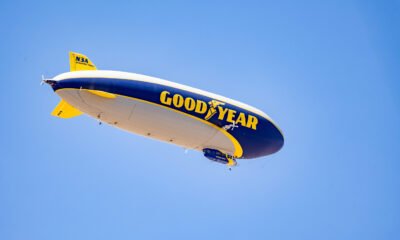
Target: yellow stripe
point(238, 148)
point(102, 93)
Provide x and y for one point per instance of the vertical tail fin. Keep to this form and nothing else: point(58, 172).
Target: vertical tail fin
point(79, 62)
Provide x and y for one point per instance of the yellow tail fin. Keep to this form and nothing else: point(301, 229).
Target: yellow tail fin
point(65, 110)
point(79, 62)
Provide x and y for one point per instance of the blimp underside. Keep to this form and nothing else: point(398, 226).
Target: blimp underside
point(150, 120)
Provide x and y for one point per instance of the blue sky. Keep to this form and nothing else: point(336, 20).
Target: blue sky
point(326, 72)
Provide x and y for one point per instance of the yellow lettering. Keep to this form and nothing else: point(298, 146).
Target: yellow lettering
point(190, 104)
point(241, 119)
point(222, 112)
point(201, 107)
point(164, 99)
point(177, 100)
point(231, 115)
point(252, 122)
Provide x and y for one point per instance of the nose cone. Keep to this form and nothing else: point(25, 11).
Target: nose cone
point(268, 139)
point(277, 138)
point(272, 138)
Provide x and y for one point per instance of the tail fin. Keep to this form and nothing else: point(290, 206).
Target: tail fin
point(79, 62)
point(65, 110)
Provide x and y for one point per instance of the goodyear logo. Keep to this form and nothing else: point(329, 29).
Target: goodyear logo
point(210, 109)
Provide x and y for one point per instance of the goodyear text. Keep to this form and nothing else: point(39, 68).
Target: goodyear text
point(209, 109)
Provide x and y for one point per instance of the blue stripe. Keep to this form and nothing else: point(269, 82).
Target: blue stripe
point(267, 139)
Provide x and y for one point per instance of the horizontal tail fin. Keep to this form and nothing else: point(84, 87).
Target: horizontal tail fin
point(65, 110)
point(79, 62)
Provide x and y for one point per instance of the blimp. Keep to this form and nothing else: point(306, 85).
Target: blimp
point(224, 130)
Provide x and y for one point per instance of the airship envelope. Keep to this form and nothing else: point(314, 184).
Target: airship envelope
point(222, 128)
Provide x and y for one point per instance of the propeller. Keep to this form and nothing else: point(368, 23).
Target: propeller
point(42, 82)
point(49, 81)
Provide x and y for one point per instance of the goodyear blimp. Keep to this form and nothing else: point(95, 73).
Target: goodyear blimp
point(222, 128)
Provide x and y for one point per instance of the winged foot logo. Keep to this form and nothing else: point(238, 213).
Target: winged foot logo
point(210, 109)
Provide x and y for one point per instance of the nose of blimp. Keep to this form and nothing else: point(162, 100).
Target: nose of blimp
point(278, 138)
point(273, 138)
point(268, 140)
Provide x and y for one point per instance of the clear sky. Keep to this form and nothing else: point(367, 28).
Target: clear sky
point(326, 71)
